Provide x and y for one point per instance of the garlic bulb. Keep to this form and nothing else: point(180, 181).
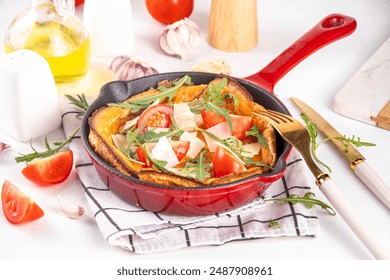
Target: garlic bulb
point(128, 68)
point(180, 38)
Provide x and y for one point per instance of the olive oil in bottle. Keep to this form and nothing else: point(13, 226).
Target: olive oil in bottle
point(57, 35)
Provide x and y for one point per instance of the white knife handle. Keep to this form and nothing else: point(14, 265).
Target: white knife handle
point(365, 173)
point(349, 215)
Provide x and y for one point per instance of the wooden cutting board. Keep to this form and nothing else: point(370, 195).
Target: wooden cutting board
point(366, 97)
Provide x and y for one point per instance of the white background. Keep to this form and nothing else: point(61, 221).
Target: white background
point(316, 80)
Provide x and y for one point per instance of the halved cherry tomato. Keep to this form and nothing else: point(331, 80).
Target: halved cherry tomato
point(169, 11)
point(156, 116)
point(79, 2)
point(18, 207)
point(179, 147)
point(210, 118)
point(241, 124)
point(224, 163)
point(51, 170)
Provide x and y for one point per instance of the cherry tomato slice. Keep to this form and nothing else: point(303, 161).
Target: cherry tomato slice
point(240, 124)
point(156, 116)
point(210, 118)
point(51, 170)
point(179, 147)
point(18, 207)
point(142, 155)
point(224, 163)
point(169, 11)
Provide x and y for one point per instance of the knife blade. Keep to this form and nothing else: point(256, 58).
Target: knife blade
point(357, 161)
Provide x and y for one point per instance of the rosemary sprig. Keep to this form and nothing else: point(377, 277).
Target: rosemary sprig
point(307, 200)
point(50, 151)
point(80, 102)
point(216, 107)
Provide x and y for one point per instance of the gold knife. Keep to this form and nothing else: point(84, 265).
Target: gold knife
point(357, 161)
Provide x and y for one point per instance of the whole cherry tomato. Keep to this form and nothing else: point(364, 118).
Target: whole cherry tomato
point(169, 11)
point(79, 2)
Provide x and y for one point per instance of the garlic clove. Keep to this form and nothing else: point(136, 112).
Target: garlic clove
point(180, 38)
point(4, 146)
point(128, 68)
point(70, 210)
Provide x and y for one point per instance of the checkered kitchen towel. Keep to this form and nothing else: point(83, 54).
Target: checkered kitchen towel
point(141, 231)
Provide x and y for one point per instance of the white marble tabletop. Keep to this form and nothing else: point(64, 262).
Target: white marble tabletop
point(316, 81)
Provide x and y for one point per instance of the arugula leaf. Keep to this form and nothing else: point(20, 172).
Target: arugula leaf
point(142, 103)
point(351, 140)
point(307, 200)
point(346, 141)
point(214, 94)
point(273, 224)
point(254, 131)
point(197, 167)
point(214, 106)
point(150, 136)
point(201, 166)
point(235, 145)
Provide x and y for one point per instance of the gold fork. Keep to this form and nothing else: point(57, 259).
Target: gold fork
point(298, 136)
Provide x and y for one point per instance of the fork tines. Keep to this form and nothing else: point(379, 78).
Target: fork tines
point(276, 116)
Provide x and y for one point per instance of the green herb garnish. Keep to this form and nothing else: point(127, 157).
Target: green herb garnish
point(235, 146)
point(215, 106)
point(141, 103)
point(80, 102)
point(307, 200)
point(273, 224)
point(346, 141)
point(198, 167)
point(150, 136)
point(50, 151)
point(254, 131)
point(213, 100)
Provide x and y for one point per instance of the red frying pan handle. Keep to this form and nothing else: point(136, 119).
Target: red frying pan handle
point(331, 28)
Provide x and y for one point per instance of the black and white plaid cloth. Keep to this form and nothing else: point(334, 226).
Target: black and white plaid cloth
point(141, 231)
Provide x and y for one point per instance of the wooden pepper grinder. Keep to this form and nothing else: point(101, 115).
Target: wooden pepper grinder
point(233, 25)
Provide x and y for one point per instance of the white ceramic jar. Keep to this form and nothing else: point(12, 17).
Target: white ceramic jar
point(29, 105)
